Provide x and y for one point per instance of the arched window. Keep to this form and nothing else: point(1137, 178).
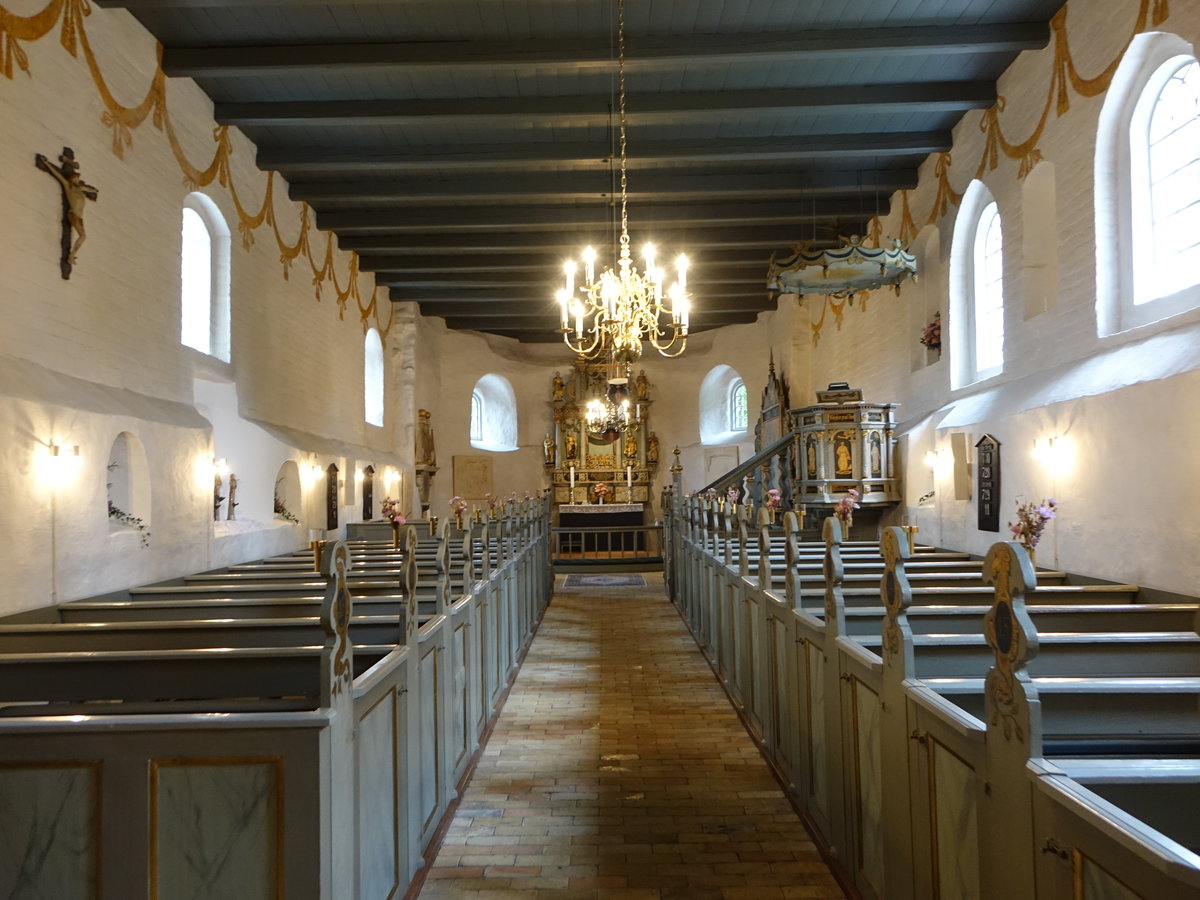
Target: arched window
point(977, 288)
point(1148, 186)
point(989, 292)
point(476, 417)
point(738, 418)
point(494, 414)
point(204, 278)
point(373, 378)
point(723, 405)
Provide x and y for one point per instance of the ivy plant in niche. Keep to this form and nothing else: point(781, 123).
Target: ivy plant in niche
point(118, 515)
point(281, 510)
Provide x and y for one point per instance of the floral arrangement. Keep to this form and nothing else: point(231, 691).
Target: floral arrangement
point(601, 490)
point(710, 494)
point(281, 510)
point(1031, 521)
point(458, 505)
point(490, 500)
point(119, 515)
point(732, 494)
point(774, 498)
point(846, 506)
point(931, 334)
point(391, 511)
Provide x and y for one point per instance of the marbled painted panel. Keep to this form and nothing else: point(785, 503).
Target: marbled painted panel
point(818, 761)
point(49, 836)
point(870, 785)
point(377, 813)
point(215, 830)
point(956, 829)
point(1098, 884)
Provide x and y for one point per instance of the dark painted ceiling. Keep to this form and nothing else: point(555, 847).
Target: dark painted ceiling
point(464, 148)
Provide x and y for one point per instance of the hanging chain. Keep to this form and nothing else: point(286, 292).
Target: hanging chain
point(621, 101)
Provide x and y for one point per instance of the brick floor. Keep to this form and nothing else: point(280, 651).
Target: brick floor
point(618, 769)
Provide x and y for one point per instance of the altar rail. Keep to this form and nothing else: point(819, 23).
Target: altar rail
point(949, 751)
point(635, 548)
point(291, 747)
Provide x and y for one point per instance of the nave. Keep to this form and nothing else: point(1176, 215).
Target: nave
point(618, 768)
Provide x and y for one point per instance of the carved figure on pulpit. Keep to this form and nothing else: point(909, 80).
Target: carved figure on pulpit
point(630, 445)
point(571, 446)
point(548, 450)
point(876, 456)
point(643, 386)
point(652, 448)
point(426, 453)
point(843, 465)
point(557, 385)
point(811, 458)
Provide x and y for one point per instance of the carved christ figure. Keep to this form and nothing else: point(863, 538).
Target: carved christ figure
point(76, 193)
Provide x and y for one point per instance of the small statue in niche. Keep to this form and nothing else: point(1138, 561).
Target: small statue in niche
point(217, 497)
point(558, 388)
point(643, 386)
point(652, 448)
point(630, 445)
point(548, 450)
point(232, 492)
point(571, 448)
point(75, 194)
point(426, 453)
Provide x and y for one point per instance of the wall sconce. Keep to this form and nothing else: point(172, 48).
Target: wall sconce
point(221, 468)
point(60, 462)
point(1056, 452)
point(310, 474)
point(359, 475)
point(931, 459)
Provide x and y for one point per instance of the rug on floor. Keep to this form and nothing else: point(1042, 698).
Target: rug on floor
point(605, 581)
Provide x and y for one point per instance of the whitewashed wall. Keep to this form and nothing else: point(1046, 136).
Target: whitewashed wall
point(88, 358)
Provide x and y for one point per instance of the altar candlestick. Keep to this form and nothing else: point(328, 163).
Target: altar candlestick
point(572, 481)
point(629, 476)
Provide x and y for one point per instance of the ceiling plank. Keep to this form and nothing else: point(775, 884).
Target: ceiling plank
point(654, 52)
point(652, 109)
point(566, 156)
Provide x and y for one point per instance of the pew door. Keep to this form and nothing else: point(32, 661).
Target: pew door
point(461, 736)
point(430, 745)
point(946, 753)
point(864, 777)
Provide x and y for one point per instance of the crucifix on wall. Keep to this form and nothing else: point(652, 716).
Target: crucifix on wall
point(75, 194)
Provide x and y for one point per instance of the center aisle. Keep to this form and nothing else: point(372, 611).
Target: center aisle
point(618, 769)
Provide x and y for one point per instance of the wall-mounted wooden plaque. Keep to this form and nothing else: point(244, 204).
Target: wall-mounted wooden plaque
point(987, 458)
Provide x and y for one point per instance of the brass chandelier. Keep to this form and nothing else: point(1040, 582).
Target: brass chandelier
point(613, 314)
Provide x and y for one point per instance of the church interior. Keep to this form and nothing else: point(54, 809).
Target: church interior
point(329, 450)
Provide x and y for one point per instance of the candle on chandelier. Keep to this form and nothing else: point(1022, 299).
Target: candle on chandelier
point(681, 266)
point(589, 265)
point(569, 271)
point(563, 297)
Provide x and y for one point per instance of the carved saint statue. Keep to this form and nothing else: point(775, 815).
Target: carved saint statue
point(232, 493)
point(557, 386)
point(548, 450)
point(630, 445)
point(570, 446)
point(652, 448)
point(426, 454)
point(642, 385)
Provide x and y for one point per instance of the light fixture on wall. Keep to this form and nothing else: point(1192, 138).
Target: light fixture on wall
point(1056, 452)
point(60, 462)
point(613, 314)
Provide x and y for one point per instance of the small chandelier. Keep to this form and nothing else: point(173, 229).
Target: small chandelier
point(610, 416)
point(613, 314)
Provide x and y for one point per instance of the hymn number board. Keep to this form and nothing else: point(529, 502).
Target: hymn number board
point(987, 456)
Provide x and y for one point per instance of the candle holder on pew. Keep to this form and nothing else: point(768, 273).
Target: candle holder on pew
point(317, 544)
point(911, 531)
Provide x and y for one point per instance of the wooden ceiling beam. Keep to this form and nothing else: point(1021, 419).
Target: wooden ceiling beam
point(645, 219)
point(655, 53)
point(532, 189)
point(652, 109)
point(567, 156)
